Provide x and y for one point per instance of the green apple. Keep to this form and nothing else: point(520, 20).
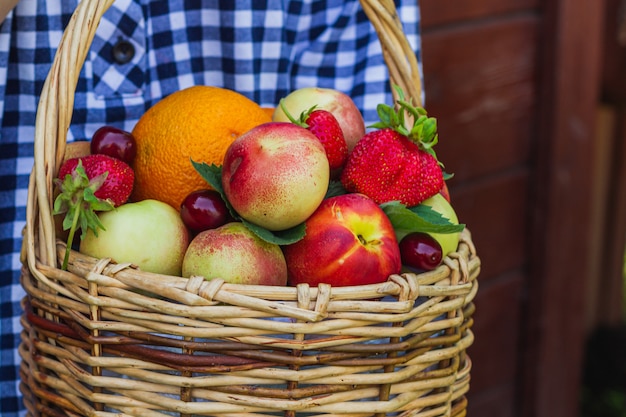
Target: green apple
point(149, 234)
point(235, 254)
point(448, 241)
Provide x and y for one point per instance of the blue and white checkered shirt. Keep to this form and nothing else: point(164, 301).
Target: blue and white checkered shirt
point(263, 49)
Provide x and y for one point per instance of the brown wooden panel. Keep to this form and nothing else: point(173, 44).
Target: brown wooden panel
point(560, 237)
point(613, 79)
point(604, 296)
point(494, 210)
point(438, 12)
point(496, 402)
point(480, 84)
point(606, 127)
point(497, 330)
point(609, 276)
point(615, 242)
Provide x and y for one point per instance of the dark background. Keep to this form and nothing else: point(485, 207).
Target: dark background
point(529, 98)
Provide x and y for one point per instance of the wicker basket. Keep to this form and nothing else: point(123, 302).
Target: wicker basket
point(97, 341)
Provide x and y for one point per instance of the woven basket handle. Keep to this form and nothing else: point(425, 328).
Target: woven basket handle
point(54, 114)
point(57, 101)
point(399, 55)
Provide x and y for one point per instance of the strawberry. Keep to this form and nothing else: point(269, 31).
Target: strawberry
point(394, 163)
point(118, 176)
point(88, 185)
point(326, 128)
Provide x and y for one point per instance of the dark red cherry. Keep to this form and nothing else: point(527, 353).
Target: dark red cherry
point(114, 142)
point(204, 209)
point(421, 251)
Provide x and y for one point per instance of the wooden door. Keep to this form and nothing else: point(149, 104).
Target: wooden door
point(514, 85)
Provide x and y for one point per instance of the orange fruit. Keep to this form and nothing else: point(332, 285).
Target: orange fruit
point(269, 110)
point(196, 123)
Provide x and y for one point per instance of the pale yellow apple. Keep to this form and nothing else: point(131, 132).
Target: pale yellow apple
point(449, 241)
point(149, 234)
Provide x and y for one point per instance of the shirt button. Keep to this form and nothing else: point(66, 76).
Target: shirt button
point(123, 52)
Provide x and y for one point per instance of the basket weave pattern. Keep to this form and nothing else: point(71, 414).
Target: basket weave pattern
point(104, 339)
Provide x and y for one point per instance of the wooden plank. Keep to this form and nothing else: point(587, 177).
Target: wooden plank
point(499, 401)
point(494, 209)
point(440, 12)
point(596, 294)
point(614, 56)
point(497, 324)
point(483, 97)
point(559, 240)
point(611, 311)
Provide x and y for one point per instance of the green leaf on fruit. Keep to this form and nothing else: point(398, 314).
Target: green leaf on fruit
point(420, 218)
point(212, 174)
point(335, 188)
point(281, 237)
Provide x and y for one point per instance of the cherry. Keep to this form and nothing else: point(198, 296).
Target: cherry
point(420, 250)
point(204, 209)
point(114, 142)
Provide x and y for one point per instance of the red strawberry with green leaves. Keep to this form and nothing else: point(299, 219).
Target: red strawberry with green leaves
point(87, 185)
point(326, 128)
point(395, 163)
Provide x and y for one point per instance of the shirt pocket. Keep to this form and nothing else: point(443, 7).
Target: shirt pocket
point(118, 52)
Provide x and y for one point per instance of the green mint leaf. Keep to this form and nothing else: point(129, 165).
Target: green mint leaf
point(420, 218)
point(282, 237)
point(212, 174)
point(435, 218)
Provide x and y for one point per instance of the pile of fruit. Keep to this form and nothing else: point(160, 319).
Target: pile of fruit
point(209, 183)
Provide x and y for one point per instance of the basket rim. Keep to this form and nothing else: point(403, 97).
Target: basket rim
point(93, 283)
